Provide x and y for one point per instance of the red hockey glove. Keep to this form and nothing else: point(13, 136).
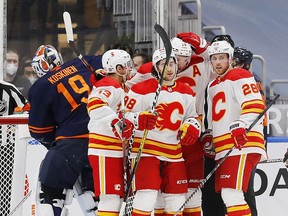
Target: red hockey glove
point(285, 159)
point(198, 44)
point(189, 132)
point(122, 131)
point(238, 133)
point(93, 79)
point(146, 120)
point(207, 144)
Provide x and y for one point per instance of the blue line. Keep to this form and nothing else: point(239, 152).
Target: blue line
point(277, 139)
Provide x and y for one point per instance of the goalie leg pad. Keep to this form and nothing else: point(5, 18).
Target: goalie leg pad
point(195, 201)
point(145, 200)
point(109, 202)
point(232, 197)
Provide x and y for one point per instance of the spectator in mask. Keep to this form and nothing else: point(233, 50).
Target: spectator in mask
point(11, 75)
point(28, 72)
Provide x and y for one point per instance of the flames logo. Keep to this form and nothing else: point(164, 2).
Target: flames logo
point(169, 116)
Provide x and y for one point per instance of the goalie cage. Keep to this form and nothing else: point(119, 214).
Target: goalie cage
point(17, 172)
point(20, 156)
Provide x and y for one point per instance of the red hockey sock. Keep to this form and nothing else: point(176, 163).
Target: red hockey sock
point(239, 210)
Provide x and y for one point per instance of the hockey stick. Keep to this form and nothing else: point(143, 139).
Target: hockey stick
point(70, 40)
point(168, 48)
point(276, 160)
point(20, 203)
point(226, 155)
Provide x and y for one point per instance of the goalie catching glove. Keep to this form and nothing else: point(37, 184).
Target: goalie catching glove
point(238, 133)
point(189, 132)
point(120, 130)
point(199, 45)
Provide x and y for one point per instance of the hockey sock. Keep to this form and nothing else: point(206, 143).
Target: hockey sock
point(192, 211)
point(137, 212)
point(239, 210)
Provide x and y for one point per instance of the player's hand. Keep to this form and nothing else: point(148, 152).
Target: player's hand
point(189, 132)
point(285, 159)
point(206, 141)
point(238, 133)
point(120, 130)
point(199, 45)
point(146, 120)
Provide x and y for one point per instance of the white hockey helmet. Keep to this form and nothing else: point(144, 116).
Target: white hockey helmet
point(46, 58)
point(114, 57)
point(159, 55)
point(220, 47)
point(180, 47)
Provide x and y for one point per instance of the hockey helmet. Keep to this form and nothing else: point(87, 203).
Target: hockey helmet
point(220, 47)
point(242, 55)
point(180, 47)
point(223, 38)
point(114, 57)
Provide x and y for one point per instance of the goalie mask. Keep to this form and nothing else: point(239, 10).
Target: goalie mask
point(114, 57)
point(46, 58)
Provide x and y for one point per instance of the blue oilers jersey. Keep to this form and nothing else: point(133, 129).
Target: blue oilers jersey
point(59, 102)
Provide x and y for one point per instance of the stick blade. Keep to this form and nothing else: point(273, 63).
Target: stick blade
point(165, 38)
point(68, 26)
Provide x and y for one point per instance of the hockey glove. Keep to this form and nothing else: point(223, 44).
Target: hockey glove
point(199, 45)
point(238, 133)
point(285, 159)
point(122, 131)
point(146, 120)
point(207, 144)
point(189, 132)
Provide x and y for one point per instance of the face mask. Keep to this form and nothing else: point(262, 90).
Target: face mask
point(11, 69)
point(32, 79)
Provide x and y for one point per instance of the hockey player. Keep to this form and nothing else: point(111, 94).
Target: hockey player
point(58, 119)
point(242, 58)
point(109, 128)
point(162, 159)
point(234, 102)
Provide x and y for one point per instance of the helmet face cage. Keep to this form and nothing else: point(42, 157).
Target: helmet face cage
point(242, 55)
point(180, 47)
point(112, 58)
point(223, 38)
point(220, 47)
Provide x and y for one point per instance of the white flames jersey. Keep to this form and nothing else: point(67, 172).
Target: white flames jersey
point(235, 96)
point(103, 103)
point(197, 76)
point(175, 104)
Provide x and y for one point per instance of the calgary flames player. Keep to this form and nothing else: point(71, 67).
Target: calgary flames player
point(162, 167)
point(234, 102)
point(108, 128)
